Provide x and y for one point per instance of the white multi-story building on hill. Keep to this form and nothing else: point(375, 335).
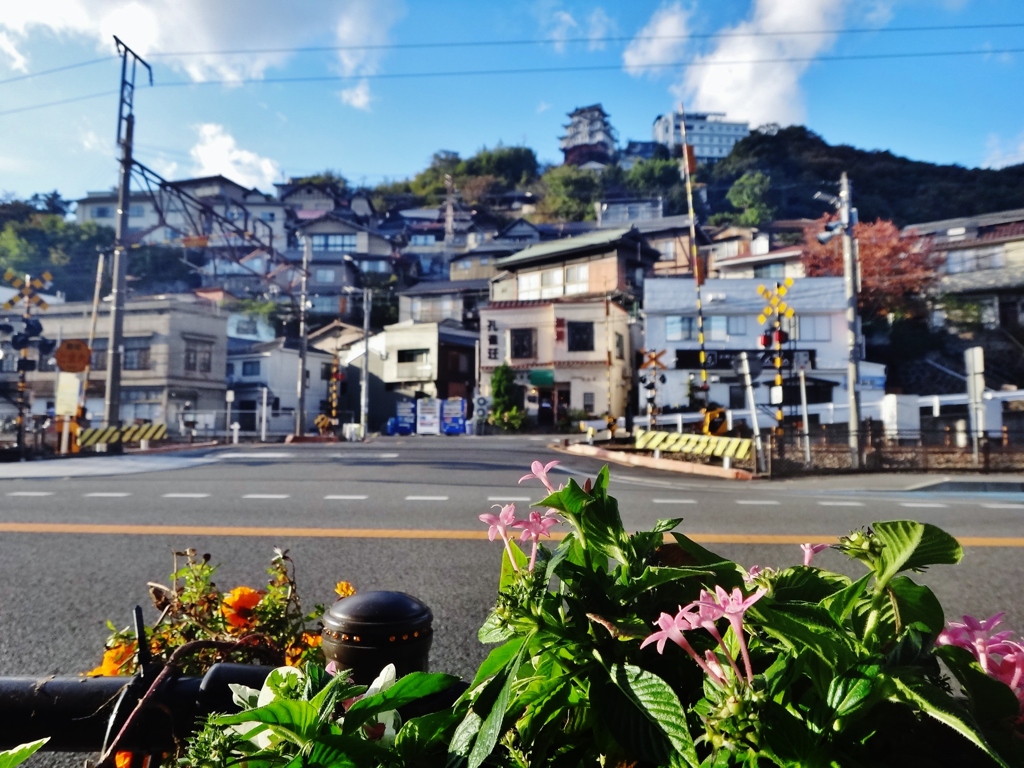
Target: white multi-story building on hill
point(710, 134)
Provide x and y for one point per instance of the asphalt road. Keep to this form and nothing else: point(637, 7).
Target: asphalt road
point(80, 539)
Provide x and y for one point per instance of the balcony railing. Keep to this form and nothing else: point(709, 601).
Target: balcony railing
point(415, 372)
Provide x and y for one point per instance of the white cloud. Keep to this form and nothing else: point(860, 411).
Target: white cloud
point(91, 142)
point(543, 107)
point(999, 155)
point(767, 92)
point(662, 40)
point(216, 152)
point(358, 96)
point(7, 47)
point(599, 25)
point(561, 26)
point(200, 25)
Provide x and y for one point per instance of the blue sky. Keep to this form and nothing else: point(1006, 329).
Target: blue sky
point(367, 120)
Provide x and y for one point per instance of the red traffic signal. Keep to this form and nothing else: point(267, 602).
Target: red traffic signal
point(769, 339)
point(764, 341)
point(780, 337)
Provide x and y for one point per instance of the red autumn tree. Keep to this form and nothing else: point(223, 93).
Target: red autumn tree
point(895, 269)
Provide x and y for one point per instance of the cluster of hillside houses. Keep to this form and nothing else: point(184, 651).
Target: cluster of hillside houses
point(568, 306)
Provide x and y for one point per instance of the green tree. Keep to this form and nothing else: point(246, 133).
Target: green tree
point(749, 194)
point(503, 388)
point(326, 177)
point(654, 178)
point(513, 166)
point(569, 193)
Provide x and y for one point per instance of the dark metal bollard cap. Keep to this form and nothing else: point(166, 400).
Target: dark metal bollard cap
point(369, 630)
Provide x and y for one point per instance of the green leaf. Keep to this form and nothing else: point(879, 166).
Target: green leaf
point(700, 555)
point(658, 703)
point(491, 729)
point(804, 627)
point(654, 577)
point(494, 630)
point(405, 690)
point(911, 689)
point(497, 660)
point(992, 700)
point(915, 606)
point(807, 584)
point(602, 529)
point(558, 556)
point(854, 690)
point(664, 526)
point(18, 755)
point(842, 603)
point(297, 721)
point(428, 733)
point(509, 574)
point(333, 751)
point(462, 740)
point(910, 545)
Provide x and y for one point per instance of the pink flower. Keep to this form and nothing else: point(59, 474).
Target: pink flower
point(672, 628)
point(500, 525)
point(501, 522)
point(533, 528)
point(976, 636)
point(810, 550)
point(704, 613)
point(331, 668)
point(733, 607)
point(540, 472)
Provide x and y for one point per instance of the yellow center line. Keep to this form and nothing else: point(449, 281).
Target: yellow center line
point(107, 529)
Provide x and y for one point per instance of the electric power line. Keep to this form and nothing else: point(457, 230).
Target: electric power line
point(65, 68)
point(591, 68)
point(57, 103)
point(589, 40)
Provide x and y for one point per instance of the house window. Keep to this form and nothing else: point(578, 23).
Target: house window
point(136, 211)
point(267, 215)
point(199, 356)
point(529, 286)
point(102, 212)
point(620, 347)
point(324, 276)
point(815, 328)
point(668, 250)
point(422, 240)
point(251, 368)
point(325, 305)
point(334, 242)
point(588, 402)
point(770, 271)
point(136, 354)
point(98, 361)
point(414, 356)
point(580, 337)
point(680, 328)
point(736, 326)
point(230, 370)
point(522, 343)
point(577, 279)
point(551, 283)
point(325, 371)
point(715, 328)
point(484, 261)
point(247, 326)
point(464, 264)
point(973, 259)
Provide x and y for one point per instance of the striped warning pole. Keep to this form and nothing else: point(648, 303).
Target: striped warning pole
point(698, 269)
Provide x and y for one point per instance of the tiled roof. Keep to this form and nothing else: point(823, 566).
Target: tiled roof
point(591, 240)
point(446, 286)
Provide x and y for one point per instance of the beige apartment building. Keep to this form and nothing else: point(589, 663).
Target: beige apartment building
point(174, 361)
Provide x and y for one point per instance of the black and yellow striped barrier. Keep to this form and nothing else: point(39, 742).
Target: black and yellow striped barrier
point(737, 448)
point(130, 434)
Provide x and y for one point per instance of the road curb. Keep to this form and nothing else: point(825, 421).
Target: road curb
point(683, 467)
point(171, 448)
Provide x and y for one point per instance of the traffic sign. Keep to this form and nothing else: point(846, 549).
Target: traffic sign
point(73, 356)
point(652, 359)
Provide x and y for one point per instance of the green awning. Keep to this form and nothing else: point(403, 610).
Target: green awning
point(542, 377)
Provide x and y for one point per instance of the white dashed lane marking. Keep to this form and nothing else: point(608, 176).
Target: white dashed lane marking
point(674, 501)
point(756, 501)
point(106, 495)
point(426, 498)
point(265, 496)
point(508, 498)
point(186, 495)
point(256, 455)
point(339, 497)
point(841, 503)
point(30, 493)
point(923, 504)
point(1003, 506)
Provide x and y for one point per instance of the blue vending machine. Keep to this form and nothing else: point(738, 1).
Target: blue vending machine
point(453, 416)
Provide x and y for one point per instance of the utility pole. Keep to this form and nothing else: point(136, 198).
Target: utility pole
point(125, 132)
point(300, 411)
point(748, 386)
point(364, 379)
point(848, 218)
point(851, 281)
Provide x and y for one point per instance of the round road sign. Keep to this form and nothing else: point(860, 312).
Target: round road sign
point(72, 356)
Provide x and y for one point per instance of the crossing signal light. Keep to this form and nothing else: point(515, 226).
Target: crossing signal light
point(46, 346)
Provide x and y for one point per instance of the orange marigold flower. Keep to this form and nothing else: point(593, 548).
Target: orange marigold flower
point(312, 639)
point(238, 605)
point(344, 589)
point(113, 659)
point(124, 759)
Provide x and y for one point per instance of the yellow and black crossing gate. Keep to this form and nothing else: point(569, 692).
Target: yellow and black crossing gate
point(130, 434)
point(735, 448)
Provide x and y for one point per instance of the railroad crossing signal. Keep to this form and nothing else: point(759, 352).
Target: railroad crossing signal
point(652, 359)
point(27, 291)
point(776, 306)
